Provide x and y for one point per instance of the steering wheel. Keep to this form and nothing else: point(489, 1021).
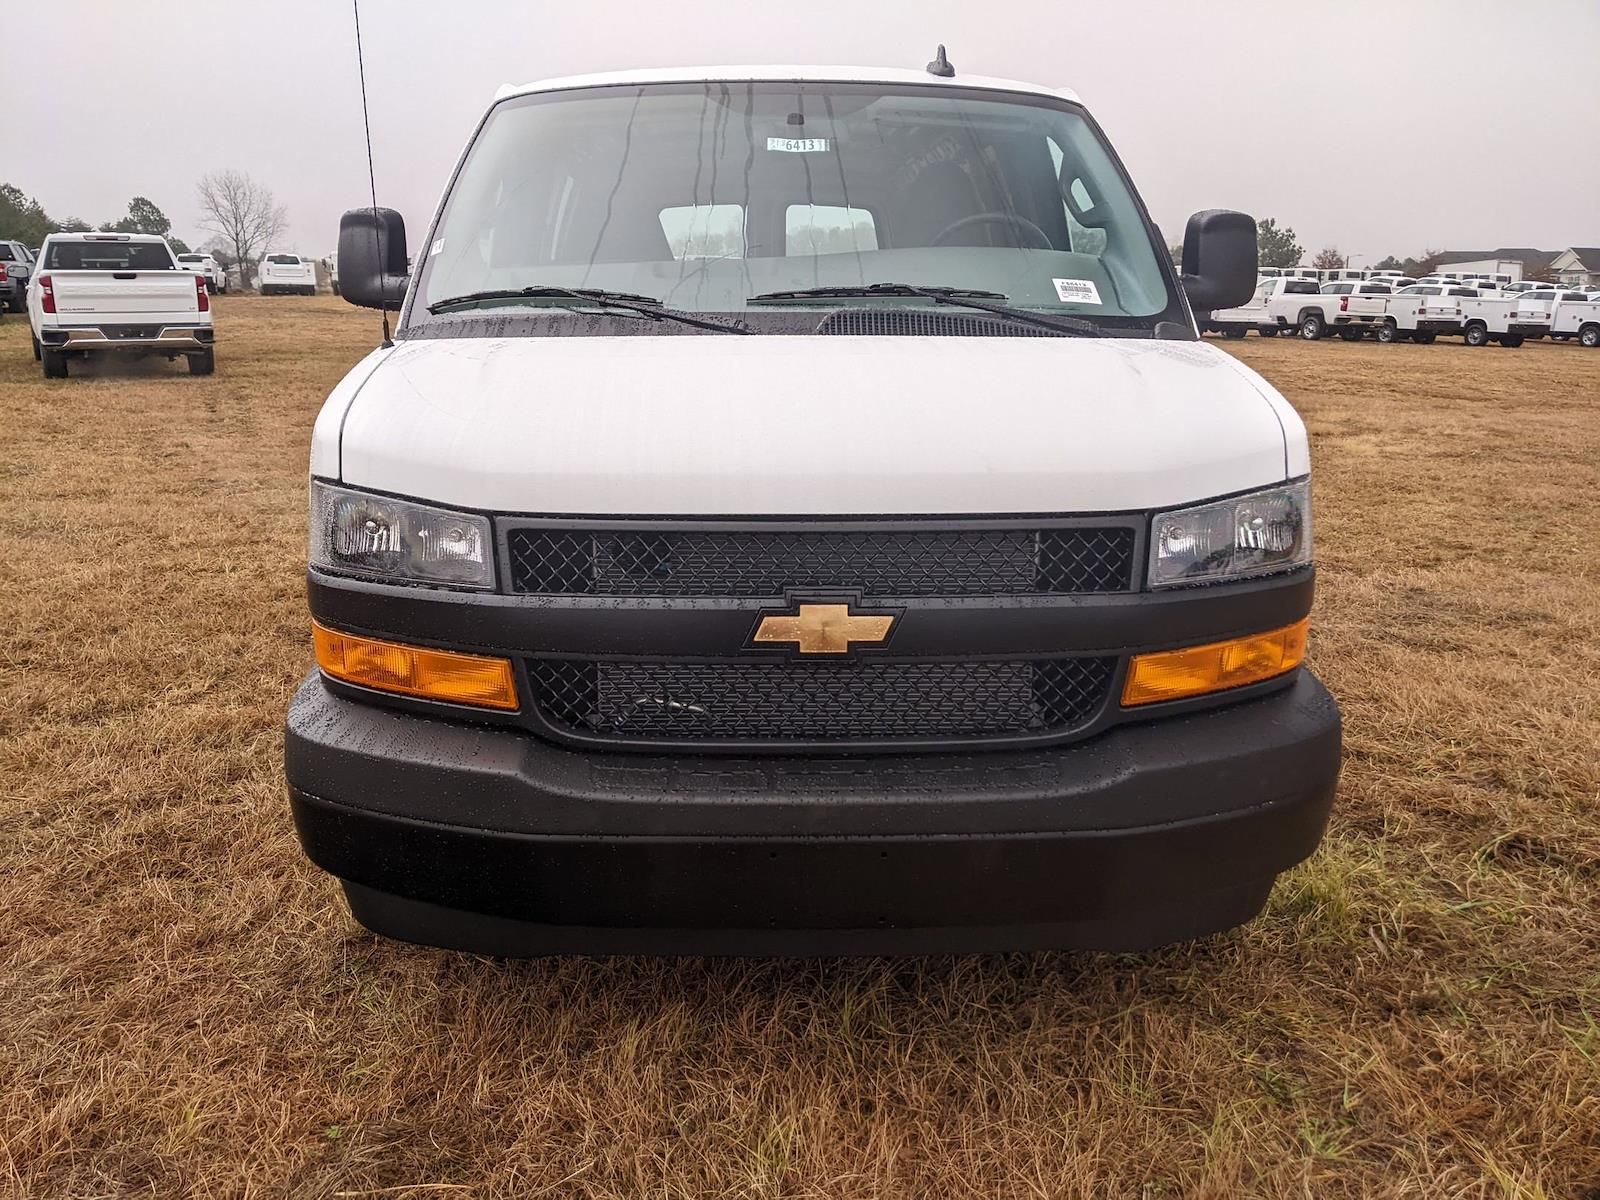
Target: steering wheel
point(1039, 238)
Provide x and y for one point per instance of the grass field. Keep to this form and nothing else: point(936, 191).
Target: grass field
point(187, 1010)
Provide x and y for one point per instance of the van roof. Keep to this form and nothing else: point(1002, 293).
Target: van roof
point(780, 74)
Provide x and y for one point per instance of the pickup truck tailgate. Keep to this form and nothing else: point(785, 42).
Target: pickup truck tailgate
point(81, 295)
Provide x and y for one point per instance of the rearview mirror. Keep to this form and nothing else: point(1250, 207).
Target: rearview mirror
point(1219, 259)
point(372, 258)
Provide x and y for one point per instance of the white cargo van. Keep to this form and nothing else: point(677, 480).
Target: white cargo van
point(796, 513)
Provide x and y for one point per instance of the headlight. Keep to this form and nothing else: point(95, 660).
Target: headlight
point(358, 533)
point(1248, 535)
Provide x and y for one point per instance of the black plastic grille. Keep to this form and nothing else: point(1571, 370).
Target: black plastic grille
point(881, 562)
point(879, 322)
point(786, 701)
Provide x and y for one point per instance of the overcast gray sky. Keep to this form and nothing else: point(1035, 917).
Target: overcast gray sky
point(1375, 125)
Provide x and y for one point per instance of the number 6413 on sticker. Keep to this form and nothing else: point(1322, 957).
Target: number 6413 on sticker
point(799, 145)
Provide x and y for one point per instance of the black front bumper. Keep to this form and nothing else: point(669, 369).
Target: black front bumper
point(493, 840)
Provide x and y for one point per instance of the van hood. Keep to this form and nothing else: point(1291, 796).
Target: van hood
point(777, 425)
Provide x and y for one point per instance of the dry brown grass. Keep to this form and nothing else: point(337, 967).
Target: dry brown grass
point(186, 1009)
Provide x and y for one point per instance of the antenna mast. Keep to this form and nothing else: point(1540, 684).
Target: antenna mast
point(372, 179)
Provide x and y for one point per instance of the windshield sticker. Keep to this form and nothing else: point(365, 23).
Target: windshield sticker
point(436, 248)
point(799, 145)
point(1077, 291)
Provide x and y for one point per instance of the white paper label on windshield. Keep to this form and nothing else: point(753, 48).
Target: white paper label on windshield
point(1077, 291)
point(799, 145)
point(436, 248)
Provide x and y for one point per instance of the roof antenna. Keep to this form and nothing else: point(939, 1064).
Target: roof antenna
point(940, 66)
point(372, 179)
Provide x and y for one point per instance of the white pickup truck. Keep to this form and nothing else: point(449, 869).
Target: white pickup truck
point(124, 293)
point(811, 595)
point(285, 274)
point(1285, 303)
point(208, 269)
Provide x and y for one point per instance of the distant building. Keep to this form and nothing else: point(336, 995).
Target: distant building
point(1533, 264)
point(1483, 266)
point(1578, 267)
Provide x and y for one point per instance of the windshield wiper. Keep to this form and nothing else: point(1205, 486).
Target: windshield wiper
point(845, 291)
point(960, 297)
point(646, 306)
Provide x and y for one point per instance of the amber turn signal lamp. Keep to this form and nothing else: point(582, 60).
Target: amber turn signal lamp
point(416, 671)
point(1198, 670)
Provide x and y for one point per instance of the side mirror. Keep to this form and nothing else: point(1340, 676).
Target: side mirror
point(1219, 259)
point(372, 258)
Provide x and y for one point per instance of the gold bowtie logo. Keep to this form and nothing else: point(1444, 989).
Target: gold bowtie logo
point(824, 629)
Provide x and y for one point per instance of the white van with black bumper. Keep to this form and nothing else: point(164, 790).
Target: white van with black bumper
point(797, 514)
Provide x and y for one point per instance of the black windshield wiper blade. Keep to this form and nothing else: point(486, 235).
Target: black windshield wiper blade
point(646, 306)
point(541, 293)
point(960, 297)
point(846, 291)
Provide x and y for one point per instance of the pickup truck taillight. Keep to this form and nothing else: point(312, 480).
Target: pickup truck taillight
point(2, 272)
point(200, 294)
point(1344, 303)
point(47, 294)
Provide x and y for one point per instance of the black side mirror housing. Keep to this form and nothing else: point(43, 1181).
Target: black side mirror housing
point(1219, 259)
point(372, 258)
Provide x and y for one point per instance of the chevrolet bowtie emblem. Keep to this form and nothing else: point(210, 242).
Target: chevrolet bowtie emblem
point(824, 629)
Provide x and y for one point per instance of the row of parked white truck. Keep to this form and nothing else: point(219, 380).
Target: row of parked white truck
point(1398, 308)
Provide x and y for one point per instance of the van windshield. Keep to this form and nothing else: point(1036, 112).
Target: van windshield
point(705, 195)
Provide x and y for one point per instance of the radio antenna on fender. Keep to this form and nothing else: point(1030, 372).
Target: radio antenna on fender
point(372, 179)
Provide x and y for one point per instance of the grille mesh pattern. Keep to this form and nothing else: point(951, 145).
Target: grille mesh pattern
point(769, 562)
point(782, 700)
point(872, 322)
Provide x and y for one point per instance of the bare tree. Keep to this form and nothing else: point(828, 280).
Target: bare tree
point(242, 213)
point(1328, 259)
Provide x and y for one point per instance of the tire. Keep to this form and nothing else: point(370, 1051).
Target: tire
point(1388, 332)
point(18, 303)
point(35, 342)
point(55, 364)
point(1233, 331)
point(1268, 330)
point(1312, 327)
point(1589, 336)
point(1351, 335)
point(1424, 339)
point(211, 288)
point(1511, 340)
point(1477, 334)
point(203, 362)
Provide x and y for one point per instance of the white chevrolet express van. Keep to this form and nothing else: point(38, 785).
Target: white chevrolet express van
point(796, 515)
